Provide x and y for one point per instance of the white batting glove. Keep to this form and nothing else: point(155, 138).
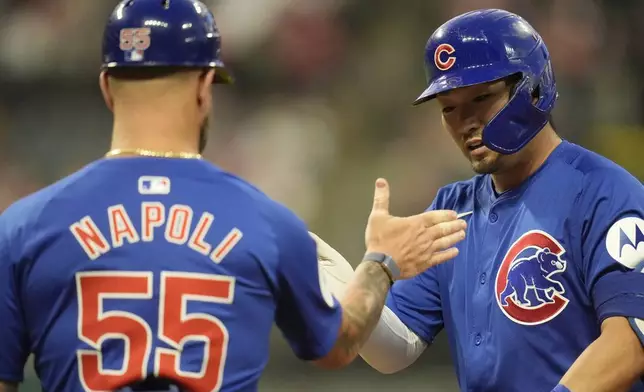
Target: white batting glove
point(336, 269)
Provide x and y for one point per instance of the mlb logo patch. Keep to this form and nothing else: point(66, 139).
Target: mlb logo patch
point(154, 185)
point(134, 55)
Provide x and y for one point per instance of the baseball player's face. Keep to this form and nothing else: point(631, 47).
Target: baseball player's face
point(465, 112)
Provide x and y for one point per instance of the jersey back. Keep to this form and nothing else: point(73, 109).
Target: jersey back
point(142, 267)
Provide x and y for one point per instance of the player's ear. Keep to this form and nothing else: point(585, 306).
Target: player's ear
point(205, 92)
point(104, 82)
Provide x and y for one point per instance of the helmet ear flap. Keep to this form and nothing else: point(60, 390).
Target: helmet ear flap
point(517, 122)
point(546, 89)
point(513, 80)
point(532, 97)
point(541, 98)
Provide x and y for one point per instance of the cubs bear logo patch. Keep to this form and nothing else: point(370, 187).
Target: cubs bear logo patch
point(527, 288)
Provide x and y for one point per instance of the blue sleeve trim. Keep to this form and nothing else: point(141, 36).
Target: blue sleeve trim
point(626, 305)
point(638, 329)
point(619, 293)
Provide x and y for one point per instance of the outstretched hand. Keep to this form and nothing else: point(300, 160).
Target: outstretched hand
point(417, 242)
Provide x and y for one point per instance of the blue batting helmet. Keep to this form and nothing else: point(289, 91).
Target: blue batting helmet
point(488, 45)
point(163, 33)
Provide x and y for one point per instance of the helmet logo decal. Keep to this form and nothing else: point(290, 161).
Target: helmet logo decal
point(442, 57)
point(134, 42)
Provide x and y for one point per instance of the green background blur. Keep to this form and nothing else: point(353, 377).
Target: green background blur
point(320, 109)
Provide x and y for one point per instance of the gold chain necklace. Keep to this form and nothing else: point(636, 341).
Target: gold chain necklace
point(150, 153)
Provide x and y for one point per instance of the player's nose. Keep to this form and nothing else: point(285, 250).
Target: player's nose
point(470, 127)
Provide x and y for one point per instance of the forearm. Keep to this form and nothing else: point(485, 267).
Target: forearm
point(362, 305)
point(392, 346)
point(612, 363)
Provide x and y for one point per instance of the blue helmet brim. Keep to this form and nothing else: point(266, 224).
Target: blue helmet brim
point(222, 74)
point(463, 78)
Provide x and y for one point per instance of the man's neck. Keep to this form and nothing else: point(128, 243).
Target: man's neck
point(532, 158)
point(157, 136)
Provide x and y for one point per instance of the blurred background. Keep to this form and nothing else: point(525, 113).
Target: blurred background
point(321, 107)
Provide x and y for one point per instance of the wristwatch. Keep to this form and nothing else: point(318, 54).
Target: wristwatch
point(387, 263)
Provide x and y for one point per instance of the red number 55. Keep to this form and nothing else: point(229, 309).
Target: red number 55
point(176, 327)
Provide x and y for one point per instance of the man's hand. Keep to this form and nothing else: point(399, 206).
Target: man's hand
point(335, 269)
point(416, 242)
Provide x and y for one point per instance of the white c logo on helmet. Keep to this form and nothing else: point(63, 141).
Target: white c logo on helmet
point(449, 62)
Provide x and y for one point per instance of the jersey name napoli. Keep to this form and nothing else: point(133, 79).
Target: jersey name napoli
point(139, 268)
point(520, 302)
point(175, 226)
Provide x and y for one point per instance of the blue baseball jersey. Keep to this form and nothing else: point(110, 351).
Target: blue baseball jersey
point(541, 267)
point(140, 267)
